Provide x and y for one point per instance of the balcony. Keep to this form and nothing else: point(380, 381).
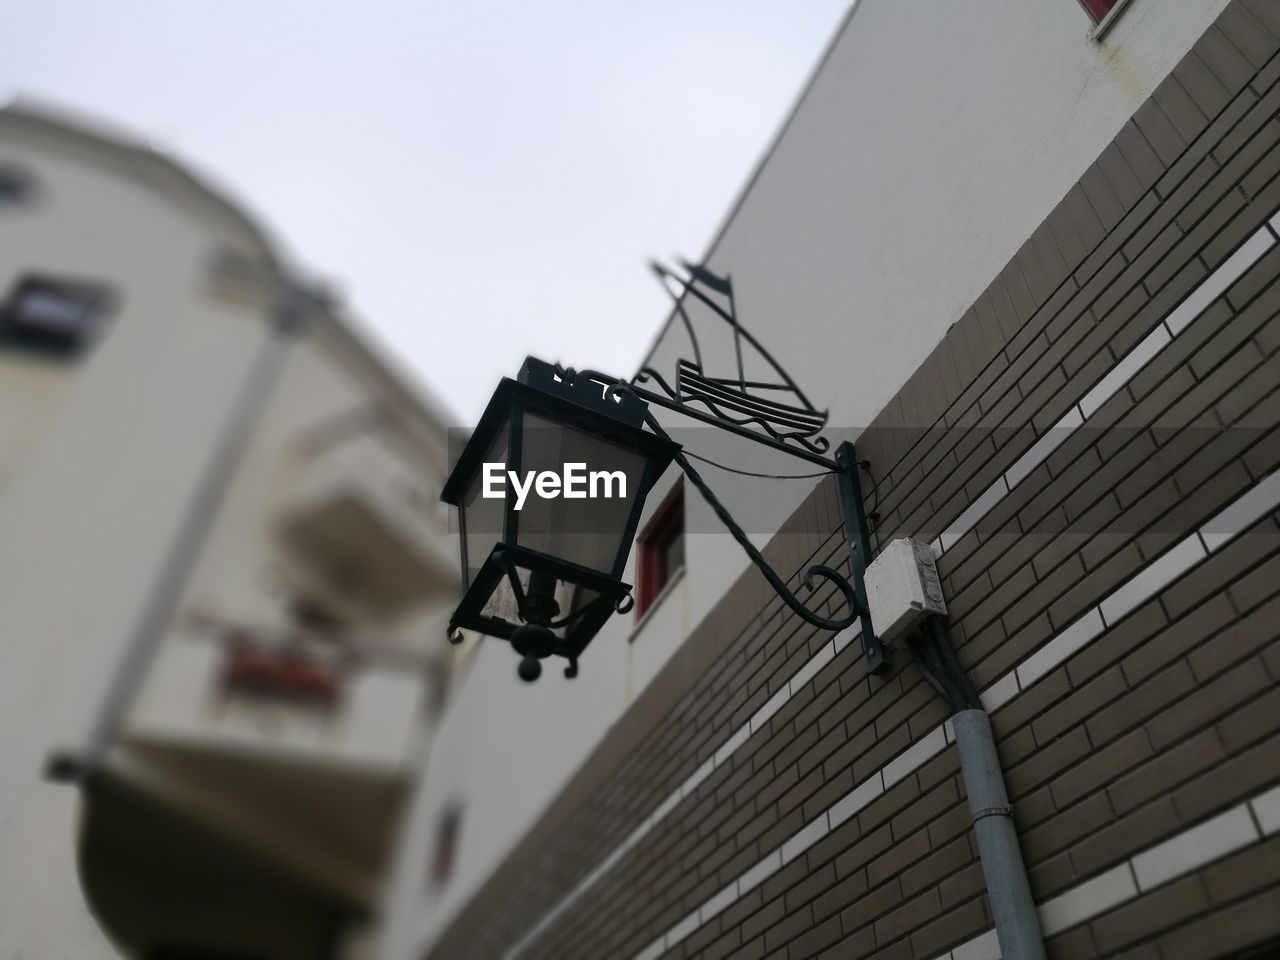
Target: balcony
point(367, 521)
point(282, 721)
point(341, 701)
point(285, 754)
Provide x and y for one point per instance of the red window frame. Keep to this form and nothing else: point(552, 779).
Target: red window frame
point(666, 524)
point(1098, 9)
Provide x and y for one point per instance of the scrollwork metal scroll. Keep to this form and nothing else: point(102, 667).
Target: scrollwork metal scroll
point(613, 388)
point(796, 605)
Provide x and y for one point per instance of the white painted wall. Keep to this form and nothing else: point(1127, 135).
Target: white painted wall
point(98, 457)
point(933, 141)
point(89, 500)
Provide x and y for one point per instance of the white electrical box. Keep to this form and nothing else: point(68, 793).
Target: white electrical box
point(903, 587)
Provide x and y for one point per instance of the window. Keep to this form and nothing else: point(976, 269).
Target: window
point(446, 850)
point(316, 618)
point(53, 316)
point(1100, 9)
point(661, 553)
point(16, 187)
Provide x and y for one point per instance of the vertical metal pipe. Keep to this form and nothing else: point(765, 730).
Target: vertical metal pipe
point(1008, 892)
point(165, 591)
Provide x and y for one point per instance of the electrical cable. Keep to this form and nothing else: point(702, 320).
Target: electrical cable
point(875, 484)
point(763, 476)
point(873, 516)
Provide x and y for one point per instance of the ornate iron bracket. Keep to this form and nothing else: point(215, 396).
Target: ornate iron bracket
point(845, 466)
point(778, 408)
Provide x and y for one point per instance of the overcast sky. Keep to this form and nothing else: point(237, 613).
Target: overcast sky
point(479, 180)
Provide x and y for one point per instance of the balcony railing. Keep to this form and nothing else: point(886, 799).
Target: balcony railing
point(290, 675)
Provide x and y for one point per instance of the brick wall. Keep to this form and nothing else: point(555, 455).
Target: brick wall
point(1125, 643)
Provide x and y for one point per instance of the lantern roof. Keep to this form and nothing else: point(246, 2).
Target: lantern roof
point(577, 401)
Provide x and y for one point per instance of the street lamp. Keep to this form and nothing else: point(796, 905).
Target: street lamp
point(543, 554)
point(543, 571)
point(549, 489)
point(548, 579)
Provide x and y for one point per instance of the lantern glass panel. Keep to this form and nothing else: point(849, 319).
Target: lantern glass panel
point(587, 530)
point(484, 516)
point(501, 604)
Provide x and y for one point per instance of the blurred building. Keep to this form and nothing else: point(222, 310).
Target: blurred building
point(224, 573)
point(1025, 253)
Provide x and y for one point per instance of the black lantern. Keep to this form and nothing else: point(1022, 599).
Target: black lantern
point(549, 491)
point(545, 573)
